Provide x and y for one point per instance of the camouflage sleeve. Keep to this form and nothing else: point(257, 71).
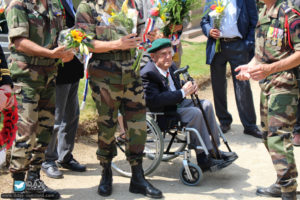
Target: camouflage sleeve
point(84, 18)
point(295, 33)
point(17, 20)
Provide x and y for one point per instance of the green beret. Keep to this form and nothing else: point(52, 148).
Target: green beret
point(159, 44)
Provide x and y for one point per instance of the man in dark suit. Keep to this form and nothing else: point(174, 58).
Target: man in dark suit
point(237, 45)
point(163, 93)
point(66, 112)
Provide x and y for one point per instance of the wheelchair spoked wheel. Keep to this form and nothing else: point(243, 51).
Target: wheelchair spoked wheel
point(196, 174)
point(152, 153)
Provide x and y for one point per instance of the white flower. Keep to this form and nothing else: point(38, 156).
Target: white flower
point(214, 14)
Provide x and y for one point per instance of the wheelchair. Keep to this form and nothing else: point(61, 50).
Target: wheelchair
point(164, 144)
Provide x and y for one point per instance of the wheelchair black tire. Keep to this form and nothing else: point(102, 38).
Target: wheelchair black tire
point(196, 173)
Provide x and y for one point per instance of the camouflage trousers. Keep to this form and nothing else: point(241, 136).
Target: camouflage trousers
point(115, 86)
point(279, 95)
point(35, 89)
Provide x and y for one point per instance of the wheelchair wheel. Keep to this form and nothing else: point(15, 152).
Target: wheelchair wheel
point(152, 153)
point(196, 174)
point(178, 145)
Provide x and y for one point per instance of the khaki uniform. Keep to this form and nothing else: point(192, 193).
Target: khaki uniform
point(34, 79)
point(279, 91)
point(114, 84)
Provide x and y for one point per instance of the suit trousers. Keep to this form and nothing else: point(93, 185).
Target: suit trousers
point(66, 122)
point(194, 118)
point(236, 53)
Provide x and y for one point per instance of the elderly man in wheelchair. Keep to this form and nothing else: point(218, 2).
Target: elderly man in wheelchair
point(164, 93)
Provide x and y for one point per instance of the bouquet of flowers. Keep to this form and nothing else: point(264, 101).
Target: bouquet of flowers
point(177, 11)
point(217, 14)
point(9, 128)
point(125, 20)
point(157, 19)
point(77, 40)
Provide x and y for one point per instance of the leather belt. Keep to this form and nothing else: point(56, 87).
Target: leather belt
point(230, 39)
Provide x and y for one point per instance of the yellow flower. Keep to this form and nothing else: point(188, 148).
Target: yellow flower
point(163, 17)
point(110, 20)
point(125, 7)
point(219, 9)
point(77, 36)
point(112, 14)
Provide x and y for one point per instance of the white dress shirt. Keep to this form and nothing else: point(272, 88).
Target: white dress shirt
point(171, 82)
point(229, 28)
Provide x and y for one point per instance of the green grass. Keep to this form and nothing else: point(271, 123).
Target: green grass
point(193, 55)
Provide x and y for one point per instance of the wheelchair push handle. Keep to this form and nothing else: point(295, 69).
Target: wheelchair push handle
point(182, 70)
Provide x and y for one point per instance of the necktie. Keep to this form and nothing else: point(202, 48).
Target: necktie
point(167, 77)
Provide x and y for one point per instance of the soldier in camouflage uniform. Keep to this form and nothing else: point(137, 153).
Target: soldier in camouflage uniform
point(116, 86)
point(33, 29)
point(273, 65)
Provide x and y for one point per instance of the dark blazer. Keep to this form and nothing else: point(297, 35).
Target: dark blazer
point(156, 93)
point(72, 71)
point(247, 20)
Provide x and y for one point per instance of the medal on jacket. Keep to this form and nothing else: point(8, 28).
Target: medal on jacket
point(280, 38)
point(269, 36)
point(274, 37)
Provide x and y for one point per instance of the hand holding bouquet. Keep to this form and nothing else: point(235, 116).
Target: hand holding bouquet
point(217, 14)
point(77, 40)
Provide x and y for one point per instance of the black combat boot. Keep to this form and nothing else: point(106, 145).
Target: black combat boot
point(19, 185)
point(138, 183)
point(105, 186)
point(37, 186)
point(289, 196)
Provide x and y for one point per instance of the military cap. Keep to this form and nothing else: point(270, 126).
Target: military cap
point(159, 44)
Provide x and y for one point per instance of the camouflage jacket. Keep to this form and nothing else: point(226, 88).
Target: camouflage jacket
point(30, 19)
point(92, 16)
point(271, 39)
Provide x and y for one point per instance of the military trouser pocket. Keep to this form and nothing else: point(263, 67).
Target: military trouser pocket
point(27, 105)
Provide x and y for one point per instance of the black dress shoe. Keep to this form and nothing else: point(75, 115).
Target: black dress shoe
point(72, 165)
point(209, 163)
point(105, 186)
point(225, 128)
point(273, 191)
point(254, 132)
point(139, 185)
point(52, 171)
point(228, 156)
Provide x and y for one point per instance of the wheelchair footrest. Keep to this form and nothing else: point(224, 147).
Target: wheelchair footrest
point(220, 166)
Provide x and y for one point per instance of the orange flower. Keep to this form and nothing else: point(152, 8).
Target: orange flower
point(1, 10)
point(213, 7)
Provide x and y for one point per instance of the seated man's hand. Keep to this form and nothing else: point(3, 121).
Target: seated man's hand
point(214, 33)
point(189, 88)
